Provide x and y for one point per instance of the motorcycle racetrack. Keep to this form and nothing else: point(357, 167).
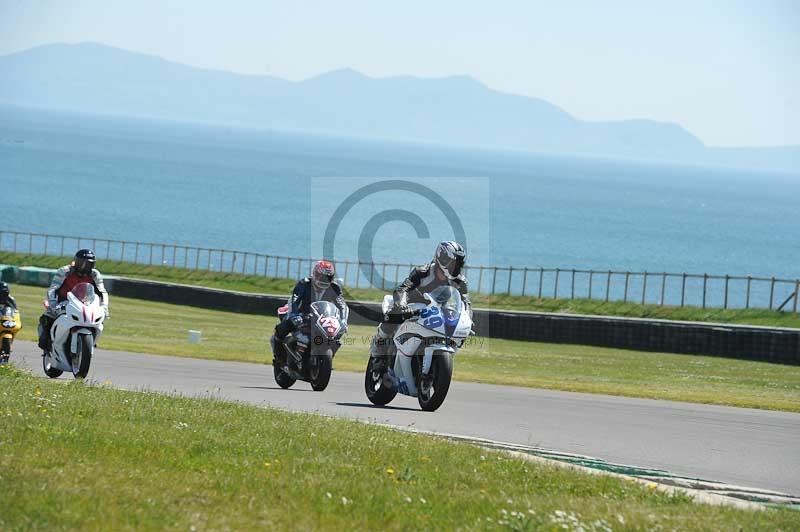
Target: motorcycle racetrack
point(737, 446)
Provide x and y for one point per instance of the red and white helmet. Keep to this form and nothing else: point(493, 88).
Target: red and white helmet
point(322, 274)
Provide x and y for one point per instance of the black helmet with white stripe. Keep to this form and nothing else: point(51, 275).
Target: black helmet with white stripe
point(450, 257)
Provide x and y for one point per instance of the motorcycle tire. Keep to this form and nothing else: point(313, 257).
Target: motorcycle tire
point(282, 378)
point(49, 370)
point(442, 368)
point(83, 357)
point(377, 393)
point(320, 375)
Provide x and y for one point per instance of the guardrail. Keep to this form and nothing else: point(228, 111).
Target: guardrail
point(657, 288)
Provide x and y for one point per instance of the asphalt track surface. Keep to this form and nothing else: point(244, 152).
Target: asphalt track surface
point(745, 447)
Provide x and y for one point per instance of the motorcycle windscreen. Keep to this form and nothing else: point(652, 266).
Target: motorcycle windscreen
point(325, 308)
point(84, 292)
point(327, 317)
point(449, 302)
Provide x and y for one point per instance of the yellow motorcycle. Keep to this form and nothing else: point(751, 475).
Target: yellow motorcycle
point(10, 324)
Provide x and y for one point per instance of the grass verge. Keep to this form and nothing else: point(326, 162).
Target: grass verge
point(90, 458)
point(270, 285)
point(159, 328)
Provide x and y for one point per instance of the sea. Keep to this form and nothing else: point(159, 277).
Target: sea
point(291, 193)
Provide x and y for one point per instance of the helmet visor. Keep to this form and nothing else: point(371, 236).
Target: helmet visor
point(322, 280)
point(84, 266)
point(449, 266)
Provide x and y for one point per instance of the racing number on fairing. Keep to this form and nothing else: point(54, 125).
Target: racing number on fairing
point(430, 318)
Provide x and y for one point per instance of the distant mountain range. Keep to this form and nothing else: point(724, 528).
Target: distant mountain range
point(455, 110)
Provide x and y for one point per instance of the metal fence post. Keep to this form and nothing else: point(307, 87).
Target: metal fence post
point(383, 277)
point(572, 285)
point(591, 275)
point(494, 279)
point(663, 287)
point(524, 279)
point(555, 285)
point(705, 285)
point(644, 288)
point(725, 303)
point(480, 278)
point(541, 281)
point(61, 253)
point(358, 272)
point(608, 285)
point(46, 241)
point(771, 292)
point(683, 289)
point(510, 272)
point(151, 254)
point(627, 278)
point(796, 295)
point(747, 293)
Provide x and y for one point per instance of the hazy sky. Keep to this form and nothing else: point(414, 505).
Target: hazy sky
point(728, 71)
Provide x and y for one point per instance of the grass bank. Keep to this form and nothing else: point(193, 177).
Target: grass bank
point(89, 458)
point(159, 328)
point(270, 285)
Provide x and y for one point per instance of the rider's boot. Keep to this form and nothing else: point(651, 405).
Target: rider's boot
point(44, 333)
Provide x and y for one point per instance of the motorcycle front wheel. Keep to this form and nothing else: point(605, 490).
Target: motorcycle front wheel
point(442, 370)
point(83, 356)
point(377, 393)
point(5, 350)
point(320, 373)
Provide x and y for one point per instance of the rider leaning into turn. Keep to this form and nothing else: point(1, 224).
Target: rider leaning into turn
point(81, 270)
point(444, 269)
point(319, 287)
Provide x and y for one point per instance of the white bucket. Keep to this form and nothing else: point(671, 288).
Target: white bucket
point(195, 337)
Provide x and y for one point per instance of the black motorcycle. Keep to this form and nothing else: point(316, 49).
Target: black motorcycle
point(307, 353)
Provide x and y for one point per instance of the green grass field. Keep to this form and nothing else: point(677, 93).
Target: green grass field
point(160, 328)
point(78, 457)
point(268, 285)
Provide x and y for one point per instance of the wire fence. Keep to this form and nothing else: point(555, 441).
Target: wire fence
point(656, 288)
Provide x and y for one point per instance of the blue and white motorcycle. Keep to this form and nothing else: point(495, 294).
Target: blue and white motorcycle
point(420, 360)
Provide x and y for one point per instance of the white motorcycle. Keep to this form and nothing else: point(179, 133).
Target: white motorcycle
point(420, 359)
point(75, 333)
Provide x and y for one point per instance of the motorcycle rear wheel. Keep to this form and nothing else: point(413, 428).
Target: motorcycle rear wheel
point(47, 365)
point(282, 378)
point(377, 393)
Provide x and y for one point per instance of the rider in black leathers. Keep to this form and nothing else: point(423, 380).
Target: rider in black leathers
point(321, 286)
point(444, 269)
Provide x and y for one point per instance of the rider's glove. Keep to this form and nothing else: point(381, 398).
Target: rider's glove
point(297, 319)
point(401, 308)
